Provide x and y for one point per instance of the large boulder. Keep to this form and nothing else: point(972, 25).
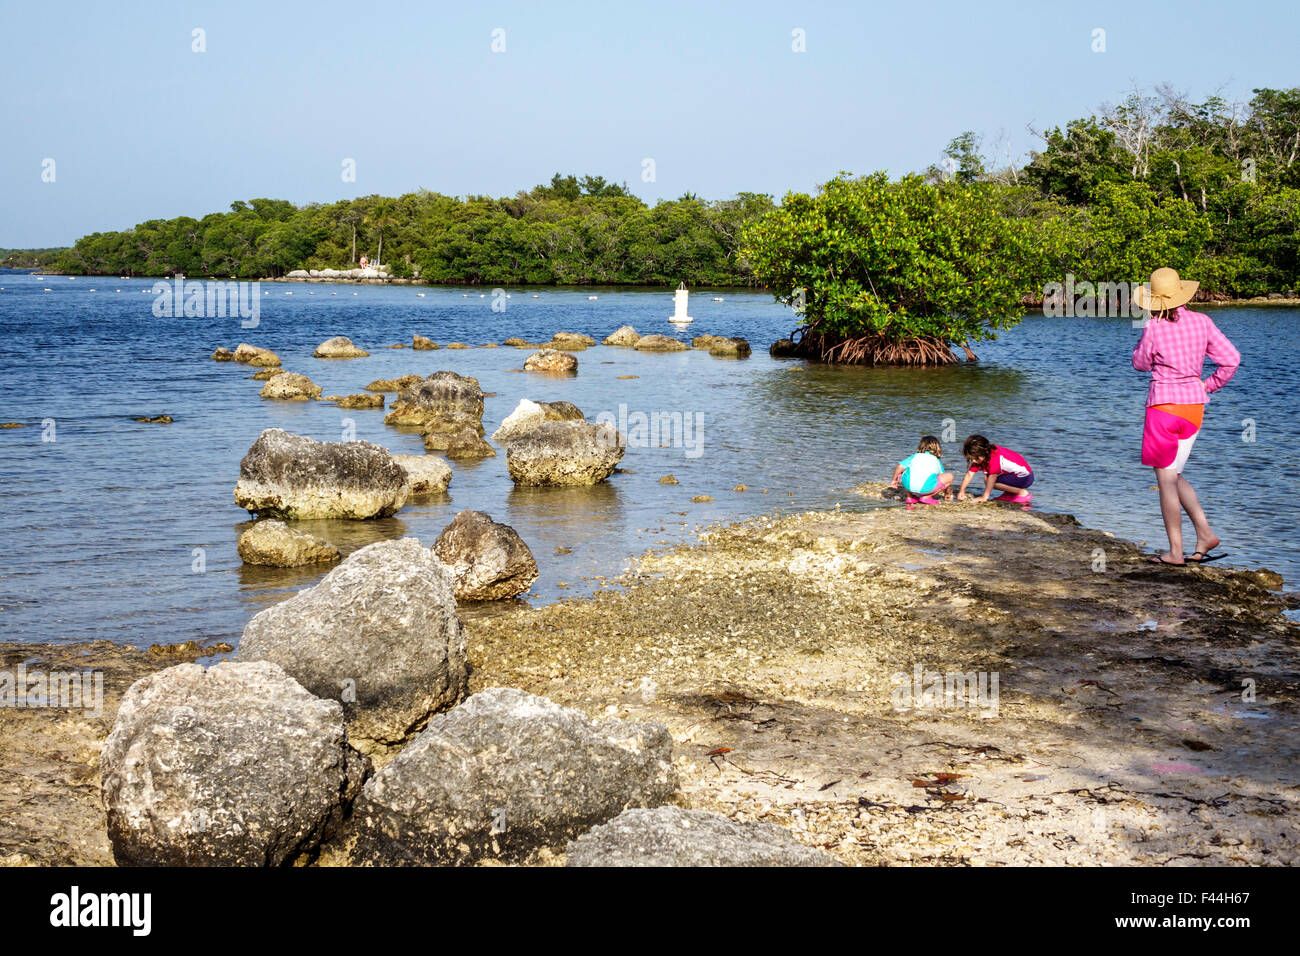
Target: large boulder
point(236, 765)
point(624, 335)
point(443, 402)
point(290, 387)
point(274, 543)
point(379, 633)
point(292, 476)
point(339, 347)
point(528, 415)
point(570, 341)
point(422, 344)
point(551, 360)
point(505, 774)
point(671, 836)
point(659, 343)
point(428, 474)
point(394, 384)
point(487, 560)
point(564, 453)
point(706, 341)
point(258, 357)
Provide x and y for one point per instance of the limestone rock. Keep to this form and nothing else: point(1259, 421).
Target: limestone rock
point(339, 347)
point(564, 453)
point(528, 415)
point(237, 765)
point(428, 474)
point(507, 761)
point(421, 344)
point(551, 360)
point(624, 335)
point(671, 836)
point(379, 632)
point(274, 543)
point(223, 354)
point(361, 400)
point(290, 387)
point(258, 357)
point(487, 560)
point(659, 343)
point(446, 401)
point(292, 476)
point(730, 348)
point(394, 384)
point(570, 341)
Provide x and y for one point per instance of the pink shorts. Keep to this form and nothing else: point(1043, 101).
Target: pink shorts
point(1169, 434)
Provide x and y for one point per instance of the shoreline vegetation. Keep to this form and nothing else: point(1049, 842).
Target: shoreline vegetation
point(780, 652)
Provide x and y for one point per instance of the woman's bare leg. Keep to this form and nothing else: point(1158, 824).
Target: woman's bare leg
point(1206, 539)
point(1171, 509)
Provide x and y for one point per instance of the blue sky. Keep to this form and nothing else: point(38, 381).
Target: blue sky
point(141, 127)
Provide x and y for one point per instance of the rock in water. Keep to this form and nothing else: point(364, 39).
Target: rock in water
point(429, 474)
point(237, 765)
point(671, 836)
point(624, 335)
point(730, 348)
point(394, 384)
point(528, 415)
point(361, 400)
point(444, 401)
point(422, 344)
point(465, 443)
point(258, 357)
point(379, 633)
point(292, 476)
point(706, 341)
point(223, 354)
point(564, 453)
point(290, 387)
point(504, 774)
point(516, 342)
point(274, 543)
point(570, 341)
point(551, 360)
point(339, 347)
point(487, 560)
point(659, 343)
point(262, 374)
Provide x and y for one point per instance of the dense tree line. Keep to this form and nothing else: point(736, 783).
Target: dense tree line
point(572, 230)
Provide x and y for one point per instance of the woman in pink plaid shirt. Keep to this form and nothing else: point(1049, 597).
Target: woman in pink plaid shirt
point(1174, 346)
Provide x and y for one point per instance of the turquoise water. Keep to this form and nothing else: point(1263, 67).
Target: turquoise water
point(127, 531)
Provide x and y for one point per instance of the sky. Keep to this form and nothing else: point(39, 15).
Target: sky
point(139, 125)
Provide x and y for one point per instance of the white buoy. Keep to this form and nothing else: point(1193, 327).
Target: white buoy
point(680, 298)
point(591, 298)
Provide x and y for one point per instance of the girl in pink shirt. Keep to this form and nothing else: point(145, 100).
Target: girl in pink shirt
point(1005, 471)
point(1174, 346)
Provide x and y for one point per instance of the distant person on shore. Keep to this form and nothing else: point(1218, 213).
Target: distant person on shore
point(1004, 471)
point(922, 475)
point(1174, 346)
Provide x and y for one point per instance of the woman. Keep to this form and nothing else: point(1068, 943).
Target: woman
point(1174, 346)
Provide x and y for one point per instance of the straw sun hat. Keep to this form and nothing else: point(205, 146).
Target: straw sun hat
point(1164, 291)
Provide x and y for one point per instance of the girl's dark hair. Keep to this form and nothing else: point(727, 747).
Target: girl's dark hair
point(977, 447)
point(931, 444)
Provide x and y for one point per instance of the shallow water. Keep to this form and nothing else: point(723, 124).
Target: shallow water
point(107, 525)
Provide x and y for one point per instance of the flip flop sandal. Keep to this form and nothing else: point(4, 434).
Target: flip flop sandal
point(1159, 559)
point(1204, 557)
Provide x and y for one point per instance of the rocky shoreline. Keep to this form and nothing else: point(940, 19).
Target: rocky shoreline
point(1138, 715)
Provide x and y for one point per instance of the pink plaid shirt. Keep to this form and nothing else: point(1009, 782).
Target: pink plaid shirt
point(1174, 351)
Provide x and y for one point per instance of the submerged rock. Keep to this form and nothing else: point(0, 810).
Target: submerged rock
point(223, 354)
point(154, 419)
point(564, 453)
point(570, 341)
point(421, 344)
point(446, 401)
point(706, 341)
point(551, 360)
point(730, 348)
point(253, 355)
point(782, 348)
point(378, 633)
point(261, 375)
point(394, 384)
point(339, 347)
point(428, 474)
point(504, 774)
point(624, 335)
point(237, 765)
point(275, 544)
point(465, 443)
point(360, 400)
point(659, 343)
point(528, 415)
point(516, 342)
point(293, 476)
point(671, 836)
point(290, 387)
point(488, 560)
